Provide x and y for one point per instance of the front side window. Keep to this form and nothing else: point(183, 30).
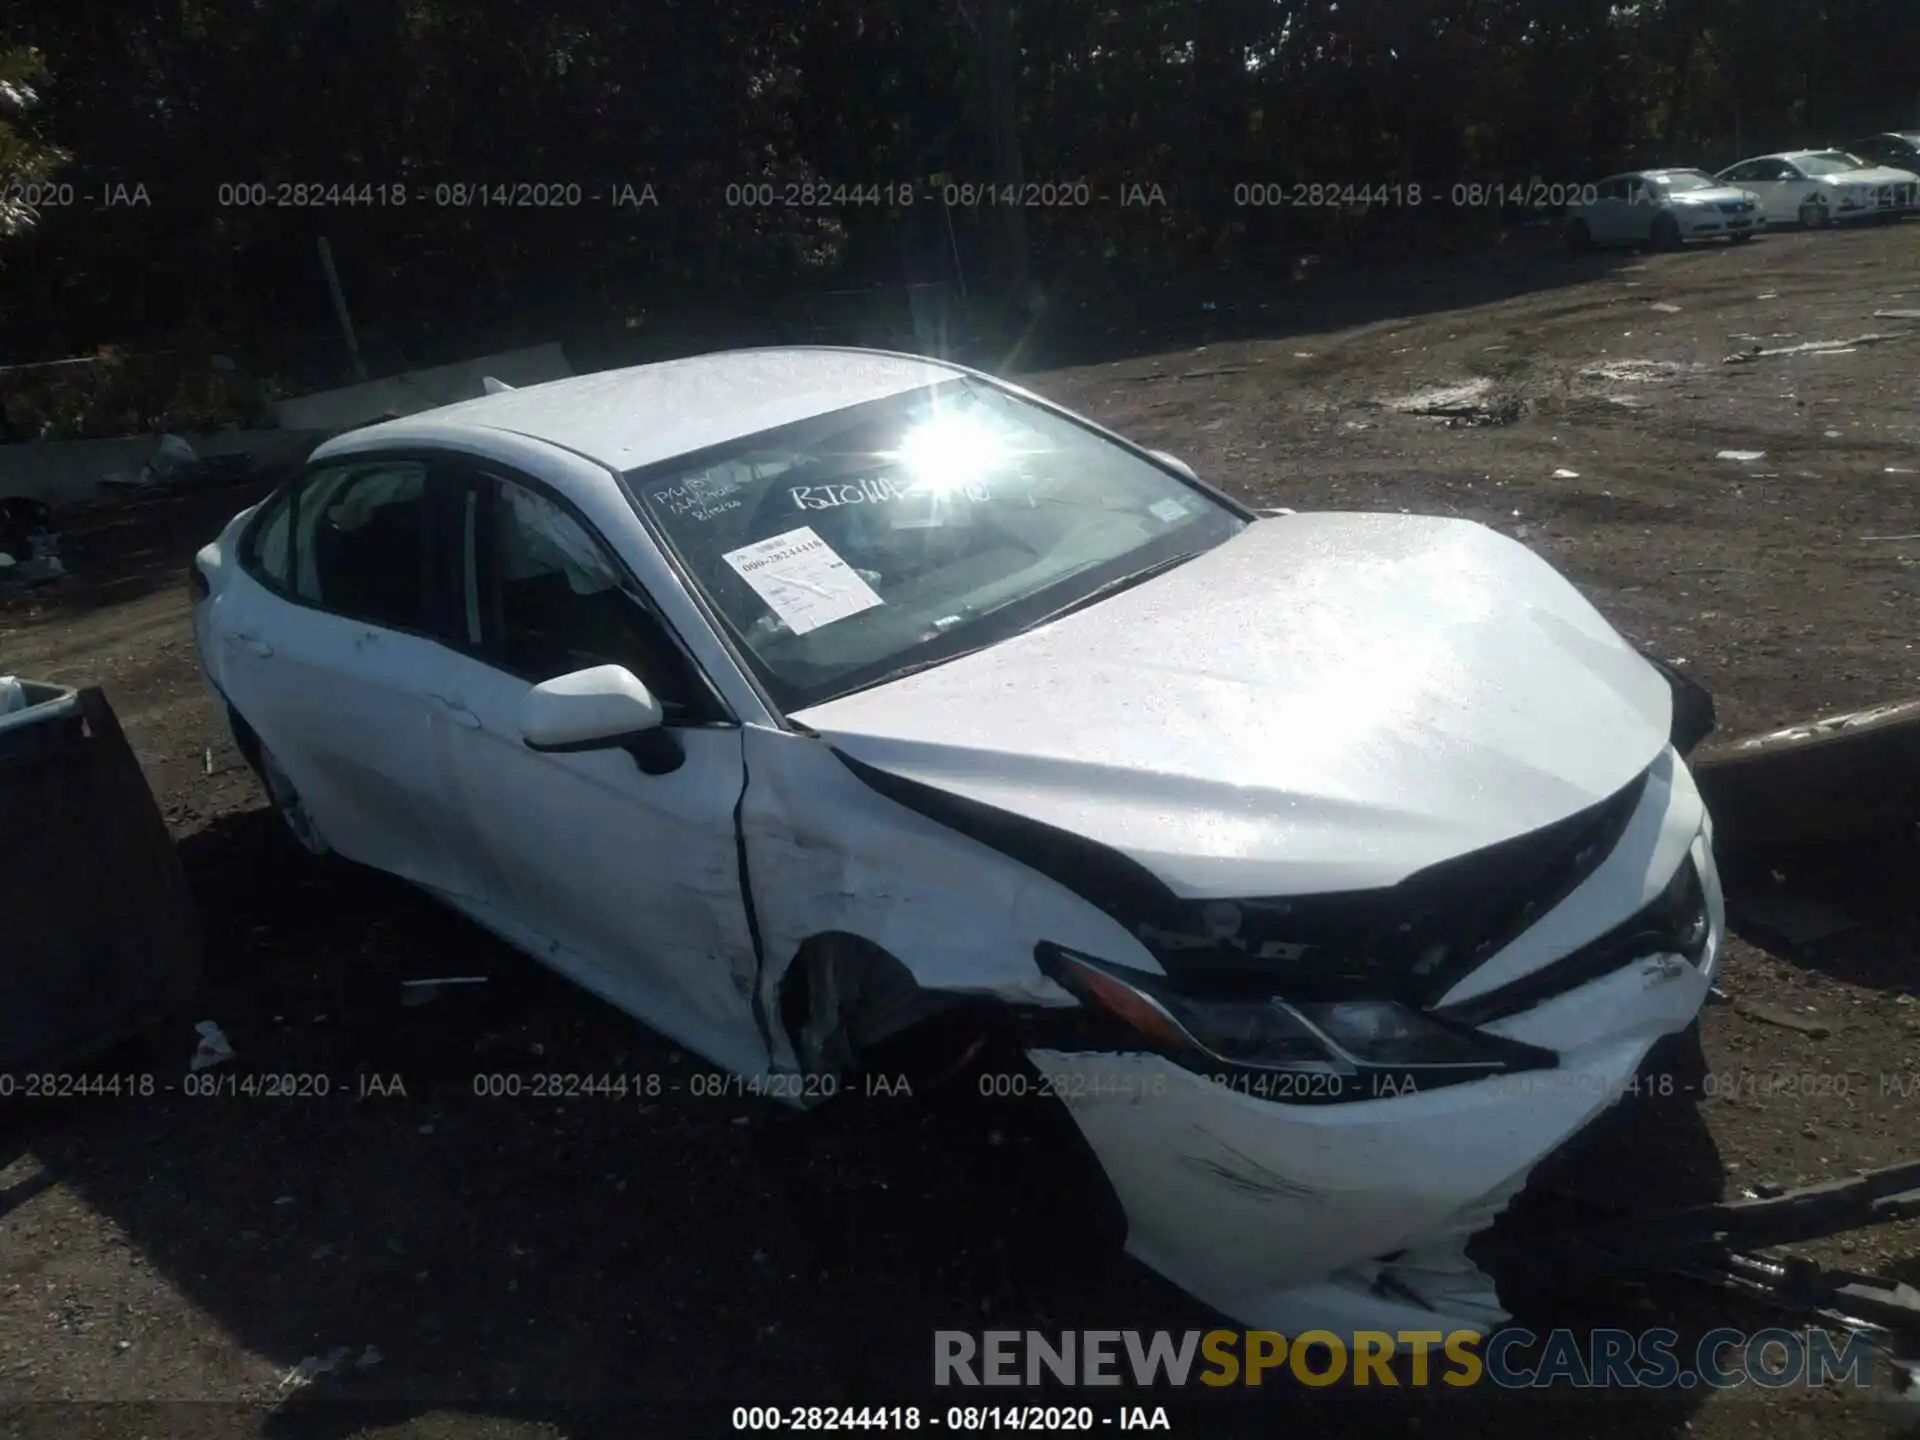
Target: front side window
point(543, 599)
point(361, 536)
point(841, 550)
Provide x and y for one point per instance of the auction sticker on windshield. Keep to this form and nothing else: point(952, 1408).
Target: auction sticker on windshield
point(802, 579)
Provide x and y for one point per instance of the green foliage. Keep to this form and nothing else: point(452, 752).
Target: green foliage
point(25, 159)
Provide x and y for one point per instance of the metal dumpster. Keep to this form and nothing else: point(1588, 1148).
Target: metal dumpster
point(98, 939)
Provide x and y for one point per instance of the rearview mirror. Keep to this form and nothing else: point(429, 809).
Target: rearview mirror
point(595, 709)
point(1175, 461)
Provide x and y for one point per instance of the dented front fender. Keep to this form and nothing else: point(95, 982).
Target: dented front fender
point(827, 855)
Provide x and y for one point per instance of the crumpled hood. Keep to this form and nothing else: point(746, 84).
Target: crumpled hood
point(1326, 702)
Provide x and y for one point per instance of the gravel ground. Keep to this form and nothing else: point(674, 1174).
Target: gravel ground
point(517, 1266)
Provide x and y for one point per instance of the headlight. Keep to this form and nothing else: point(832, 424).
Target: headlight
point(1382, 1041)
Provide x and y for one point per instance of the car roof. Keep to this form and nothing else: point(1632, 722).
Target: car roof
point(648, 413)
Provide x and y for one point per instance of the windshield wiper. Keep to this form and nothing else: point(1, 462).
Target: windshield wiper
point(1092, 597)
point(903, 671)
point(1112, 587)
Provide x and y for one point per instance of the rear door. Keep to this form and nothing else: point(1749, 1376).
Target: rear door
point(1642, 208)
point(626, 873)
point(1609, 217)
point(1783, 190)
point(1762, 177)
point(326, 639)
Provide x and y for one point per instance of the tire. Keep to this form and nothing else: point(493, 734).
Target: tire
point(1666, 234)
point(1580, 237)
point(1742, 238)
point(1814, 216)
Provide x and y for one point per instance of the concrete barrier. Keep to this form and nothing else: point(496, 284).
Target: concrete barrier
point(419, 390)
point(69, 472)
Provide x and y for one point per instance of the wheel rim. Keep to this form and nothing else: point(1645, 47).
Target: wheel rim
point(288, 805)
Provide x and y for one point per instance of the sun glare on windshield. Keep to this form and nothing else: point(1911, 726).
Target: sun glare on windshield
point(948, 451)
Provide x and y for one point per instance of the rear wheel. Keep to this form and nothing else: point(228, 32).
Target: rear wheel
point(291, 809)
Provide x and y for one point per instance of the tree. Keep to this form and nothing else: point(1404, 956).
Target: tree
point(25, 159)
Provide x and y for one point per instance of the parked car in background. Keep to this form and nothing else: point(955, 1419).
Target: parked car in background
point(1662, 209)
point(1333, 869)
point(1897, 148)
point(1824, 187)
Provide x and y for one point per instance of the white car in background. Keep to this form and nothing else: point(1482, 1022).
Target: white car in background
point(1333, 869)
point(1662, 209)
point(1815, 188)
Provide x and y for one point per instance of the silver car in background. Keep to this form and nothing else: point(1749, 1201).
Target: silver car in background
point(1662, 209)
point(1816, 188)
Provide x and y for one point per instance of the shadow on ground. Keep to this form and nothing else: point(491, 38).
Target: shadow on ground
point(1851, 912)
point(670, 1251)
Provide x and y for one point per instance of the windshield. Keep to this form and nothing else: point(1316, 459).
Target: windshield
point(848, 547)
point(1830, 162)
point(1679, 181)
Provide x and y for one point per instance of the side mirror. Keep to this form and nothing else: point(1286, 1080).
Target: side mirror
point(1175, 462)
point(595, 709)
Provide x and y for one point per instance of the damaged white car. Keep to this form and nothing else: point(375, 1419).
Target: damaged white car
point(1336, 868)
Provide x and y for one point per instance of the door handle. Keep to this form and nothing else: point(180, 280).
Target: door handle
point(456, 712)
point(253, 642)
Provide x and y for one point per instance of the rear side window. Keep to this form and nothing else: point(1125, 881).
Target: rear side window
point(356, 539)
point(268, 552)
point(361, 543)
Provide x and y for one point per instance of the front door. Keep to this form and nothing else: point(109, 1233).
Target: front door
point(631, 879)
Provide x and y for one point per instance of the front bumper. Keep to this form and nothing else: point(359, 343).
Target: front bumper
point(1708, 224)
point(1356, 1215)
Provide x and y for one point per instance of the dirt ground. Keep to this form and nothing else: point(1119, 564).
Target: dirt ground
point(513, 1267)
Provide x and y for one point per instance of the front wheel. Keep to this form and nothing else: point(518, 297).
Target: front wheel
point(1579, 237)
point(1743, 237)
point(1666, 233)
point(1813, 215)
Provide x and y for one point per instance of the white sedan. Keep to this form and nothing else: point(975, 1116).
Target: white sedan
point(1333, 868)
point(1824, 187)
point(1661, 209)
